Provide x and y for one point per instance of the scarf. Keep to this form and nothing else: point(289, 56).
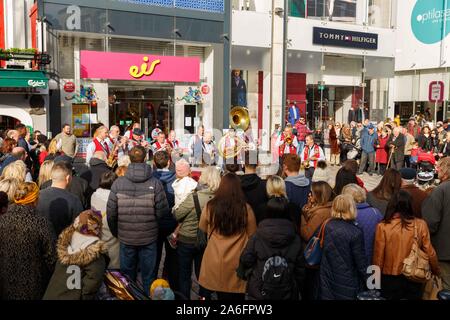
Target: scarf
point(31, 196)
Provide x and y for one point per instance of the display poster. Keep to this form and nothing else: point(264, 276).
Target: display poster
point(80, 120)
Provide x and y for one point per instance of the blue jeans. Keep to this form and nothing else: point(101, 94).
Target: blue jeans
point(301, 145)
point(143, 257)
point(188, 253)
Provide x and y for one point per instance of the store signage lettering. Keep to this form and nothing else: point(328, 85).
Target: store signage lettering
point(37, 83)
point(428, 19)
point(145, 69)
point(73, 21)
point(69, 87)
point(345, 38)
point(138, 67)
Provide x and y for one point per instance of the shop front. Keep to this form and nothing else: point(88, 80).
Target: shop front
point(164, 92)
point(23, 99)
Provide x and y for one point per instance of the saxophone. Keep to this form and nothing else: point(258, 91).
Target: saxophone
point(112, 160)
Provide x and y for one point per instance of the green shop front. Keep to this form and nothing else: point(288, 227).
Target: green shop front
point(24, 96)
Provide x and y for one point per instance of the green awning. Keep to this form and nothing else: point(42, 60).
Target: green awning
point(23, 79)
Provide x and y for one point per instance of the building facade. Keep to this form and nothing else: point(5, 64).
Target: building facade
point(422, 77)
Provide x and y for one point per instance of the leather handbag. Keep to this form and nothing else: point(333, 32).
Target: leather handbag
point(313, 250)
point(416, 267)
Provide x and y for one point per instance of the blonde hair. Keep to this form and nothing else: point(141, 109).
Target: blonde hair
point(99, 129)
point(45, 172)
point(358, 194)
point(53, 147)
point(124, 161)
point(16, 170)
point(276, 187)
point(121, 171)
point(210, 177)
point(9, 186)
point(344, 208)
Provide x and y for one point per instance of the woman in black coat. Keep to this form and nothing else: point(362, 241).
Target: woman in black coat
point(425, 140)
point(344, 265)
point(27, 253)
point(276, 236)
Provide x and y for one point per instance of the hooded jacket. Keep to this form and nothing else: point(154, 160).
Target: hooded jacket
point(91, 261)
point(254, 189)
point(167, 177)
point(368, 218)
point(135, 202)
point(297, 189)
point(273, 237)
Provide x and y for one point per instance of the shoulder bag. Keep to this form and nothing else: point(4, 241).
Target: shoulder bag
point(416, 267)
point(202, 239)
point(313, 250)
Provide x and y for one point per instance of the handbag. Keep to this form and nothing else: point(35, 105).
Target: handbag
point(432, 288)
point(202, 239)
point(313, 250)
point(416, 267)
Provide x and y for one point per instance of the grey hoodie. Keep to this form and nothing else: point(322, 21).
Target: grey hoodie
point(301, 180)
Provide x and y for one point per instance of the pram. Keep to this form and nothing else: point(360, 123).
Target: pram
point(426, 171)
point(352, 151)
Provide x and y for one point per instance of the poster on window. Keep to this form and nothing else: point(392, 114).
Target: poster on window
point(80, 120)
point(238, 89)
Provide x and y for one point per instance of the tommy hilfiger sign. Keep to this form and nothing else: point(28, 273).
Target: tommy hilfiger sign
point(345, 38)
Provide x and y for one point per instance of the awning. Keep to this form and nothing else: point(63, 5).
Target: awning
point(23, 79)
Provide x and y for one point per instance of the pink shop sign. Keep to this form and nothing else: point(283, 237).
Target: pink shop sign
point(141, 67)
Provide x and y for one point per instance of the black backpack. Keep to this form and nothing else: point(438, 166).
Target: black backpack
point(278, 281)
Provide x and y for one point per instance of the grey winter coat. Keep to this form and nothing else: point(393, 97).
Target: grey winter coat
point(436, 212)
point(135, 203)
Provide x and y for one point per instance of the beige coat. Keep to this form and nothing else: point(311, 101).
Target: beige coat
point(409, 144)
point(221, 258)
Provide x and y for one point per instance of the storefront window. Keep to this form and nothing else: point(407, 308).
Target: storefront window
point(334, 10)
point(380, 12)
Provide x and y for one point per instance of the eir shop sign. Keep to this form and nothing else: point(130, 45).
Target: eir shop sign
point(138, 67)
point(436, 91)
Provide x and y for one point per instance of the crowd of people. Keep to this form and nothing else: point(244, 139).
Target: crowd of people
point(142, 209)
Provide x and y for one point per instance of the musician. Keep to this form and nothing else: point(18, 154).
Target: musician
point(137, 139)
point(172, 140)
point(231, 146)
point(210, 153)
point(129, 134)
point(195, 146)
point(98, 144)
point(160, 144)
point(396, 146)
point(117, 143)
point(286, 143)
point(311, 155)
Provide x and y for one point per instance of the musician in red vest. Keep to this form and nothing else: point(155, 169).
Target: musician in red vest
point(160, 144)
point(172, 140)
point(129, 133)
point(98, 144)
point(311, 154)
point(287, 143)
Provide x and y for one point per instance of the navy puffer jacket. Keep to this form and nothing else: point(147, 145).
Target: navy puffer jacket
point(344, 264)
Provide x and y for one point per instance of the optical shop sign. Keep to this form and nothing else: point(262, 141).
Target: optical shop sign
point(141, 67)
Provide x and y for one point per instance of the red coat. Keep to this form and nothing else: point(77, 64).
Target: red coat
point(382, 154)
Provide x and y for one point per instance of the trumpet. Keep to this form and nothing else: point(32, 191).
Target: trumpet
point(306, 164)
point(288, 140)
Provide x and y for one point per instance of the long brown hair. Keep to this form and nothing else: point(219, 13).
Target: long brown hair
point(8, 145)
point(389, 185)
point(228, 208)
point(321, 192)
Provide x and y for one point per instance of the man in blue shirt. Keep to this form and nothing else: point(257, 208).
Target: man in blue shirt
point(368, 142)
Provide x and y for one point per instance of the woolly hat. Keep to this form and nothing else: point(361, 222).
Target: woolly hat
point(182, 168)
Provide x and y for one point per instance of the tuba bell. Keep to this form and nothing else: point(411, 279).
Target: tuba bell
point(239, 120)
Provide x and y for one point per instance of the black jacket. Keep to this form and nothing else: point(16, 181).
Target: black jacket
point(254, 189)
point(78, 187)
point(399, 143)
point(344, 264)
point(135, 202)
point(425, 143)
point(273, 237)
point(96, 168)
point(27, 254)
